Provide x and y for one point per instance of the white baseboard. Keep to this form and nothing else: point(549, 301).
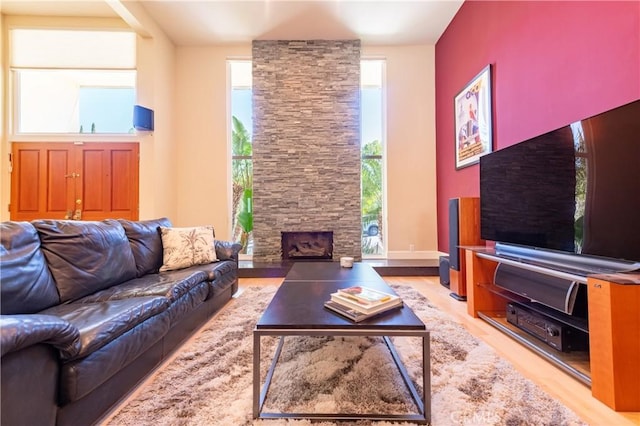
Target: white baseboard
point(429, 254)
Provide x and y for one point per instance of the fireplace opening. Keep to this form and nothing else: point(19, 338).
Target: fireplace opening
point(312, 245)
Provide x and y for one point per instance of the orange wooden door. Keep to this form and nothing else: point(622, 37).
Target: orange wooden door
point(109, 181)
point(42, 183)
point(90, 181)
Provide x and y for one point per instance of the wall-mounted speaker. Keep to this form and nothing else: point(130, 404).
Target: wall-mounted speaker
point(464, 230)
point(142, 118)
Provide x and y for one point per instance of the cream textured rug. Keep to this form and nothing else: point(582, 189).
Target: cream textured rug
point(210, 381)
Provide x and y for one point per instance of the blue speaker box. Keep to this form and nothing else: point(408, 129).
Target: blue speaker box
point(142, 118)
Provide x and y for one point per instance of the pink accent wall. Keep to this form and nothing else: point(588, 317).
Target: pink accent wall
point(552, 62)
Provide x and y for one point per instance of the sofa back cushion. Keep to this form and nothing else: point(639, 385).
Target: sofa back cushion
point(146, 243)
point(85, 257)
point(27, 284)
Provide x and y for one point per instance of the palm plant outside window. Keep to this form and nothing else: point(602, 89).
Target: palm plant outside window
point(372, 165)
point(242, 155)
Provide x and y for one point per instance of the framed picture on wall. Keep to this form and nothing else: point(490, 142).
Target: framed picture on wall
point(472, 116)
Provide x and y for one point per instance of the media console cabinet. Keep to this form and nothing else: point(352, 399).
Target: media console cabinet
point(610, 364)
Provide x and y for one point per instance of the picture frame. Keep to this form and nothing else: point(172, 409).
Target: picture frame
point(473, 120)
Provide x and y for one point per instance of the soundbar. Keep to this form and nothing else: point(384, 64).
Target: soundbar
point(564, 295)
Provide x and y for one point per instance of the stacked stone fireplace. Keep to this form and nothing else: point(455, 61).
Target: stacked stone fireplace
point(314, 245)
point(306, 143)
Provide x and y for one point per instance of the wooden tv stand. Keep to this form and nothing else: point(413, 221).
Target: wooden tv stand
point(610, 365)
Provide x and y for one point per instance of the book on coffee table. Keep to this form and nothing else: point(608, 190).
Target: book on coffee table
point(365, 297)
point(365, 308)
point(357, 315)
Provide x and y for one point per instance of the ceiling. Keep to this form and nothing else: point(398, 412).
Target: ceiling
point(210, 22)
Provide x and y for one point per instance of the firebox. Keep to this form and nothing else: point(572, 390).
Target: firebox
point(309, 245)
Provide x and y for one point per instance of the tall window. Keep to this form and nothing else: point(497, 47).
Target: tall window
point(372, 143)
point(242, 151)
point(72, 81)
point(582, 173)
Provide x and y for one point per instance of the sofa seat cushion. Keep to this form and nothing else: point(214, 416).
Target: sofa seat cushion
point(172, 285)
point(188, 302)
point(103, 322)
point(185, 289)
point(221, 284)
point(81, 376)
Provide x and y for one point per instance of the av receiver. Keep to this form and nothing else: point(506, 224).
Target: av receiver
point(554, 333)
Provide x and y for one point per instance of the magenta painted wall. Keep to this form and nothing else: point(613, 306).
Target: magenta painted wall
point(553, 63)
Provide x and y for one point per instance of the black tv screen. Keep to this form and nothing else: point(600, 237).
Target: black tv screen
point(575, 189)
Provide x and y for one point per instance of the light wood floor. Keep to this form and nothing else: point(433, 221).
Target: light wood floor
point(554, 381)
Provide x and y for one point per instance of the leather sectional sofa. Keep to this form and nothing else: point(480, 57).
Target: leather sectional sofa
point(86, 315)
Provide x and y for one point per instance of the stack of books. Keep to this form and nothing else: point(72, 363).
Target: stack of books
point(359, 303)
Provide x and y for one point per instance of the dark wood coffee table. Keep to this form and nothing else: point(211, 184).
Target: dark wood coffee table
point(297, 310)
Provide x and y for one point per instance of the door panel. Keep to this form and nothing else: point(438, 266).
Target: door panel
point(122, 177)
point(92, 181)
point(110, 182)
point(41, 185)
point(92, 197)
point(29, 170)
point(59, 185)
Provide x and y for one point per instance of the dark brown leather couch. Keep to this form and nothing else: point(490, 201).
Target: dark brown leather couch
point(86, 315)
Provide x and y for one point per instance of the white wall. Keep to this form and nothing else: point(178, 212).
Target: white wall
point(203, 157)
point(203, 150)
point(156, 89)
point(410, 149)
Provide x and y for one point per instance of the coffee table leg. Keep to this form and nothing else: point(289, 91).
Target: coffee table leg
point(426, 376)
point(256, 375)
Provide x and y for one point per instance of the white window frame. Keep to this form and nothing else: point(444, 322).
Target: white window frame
point(385, 221)
point(13, 106)
point(230, 60)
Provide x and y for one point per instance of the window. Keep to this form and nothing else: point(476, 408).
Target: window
point(242, 151)
point(372, 72)
point(372, 143)
point(72, 81)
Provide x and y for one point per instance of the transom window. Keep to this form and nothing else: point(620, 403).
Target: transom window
point(72, 81)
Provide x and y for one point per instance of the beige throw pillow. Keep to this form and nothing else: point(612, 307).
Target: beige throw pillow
point(184, 247)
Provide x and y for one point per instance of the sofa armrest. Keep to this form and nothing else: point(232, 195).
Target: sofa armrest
point(227, 250)
point(21, 331)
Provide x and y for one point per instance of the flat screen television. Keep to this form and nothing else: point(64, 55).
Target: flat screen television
point(574, 190)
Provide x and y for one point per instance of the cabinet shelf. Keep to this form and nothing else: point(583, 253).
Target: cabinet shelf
point(574, 363)
point(572, 321)
point(611, 322)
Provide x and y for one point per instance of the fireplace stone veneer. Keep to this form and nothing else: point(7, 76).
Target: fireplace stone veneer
point(306, 143)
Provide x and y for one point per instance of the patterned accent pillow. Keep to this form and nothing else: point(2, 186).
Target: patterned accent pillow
point(184, 247)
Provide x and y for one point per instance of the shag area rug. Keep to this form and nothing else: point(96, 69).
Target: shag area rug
point(210, 381)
